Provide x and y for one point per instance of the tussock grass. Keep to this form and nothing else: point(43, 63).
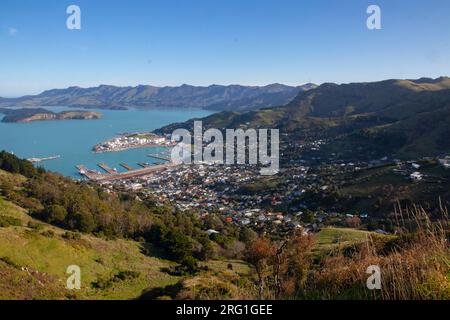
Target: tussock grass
point(415, 265)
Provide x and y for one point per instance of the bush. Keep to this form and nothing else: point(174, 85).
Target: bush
point(35, 225)
point(71, 235)
point(189, 265)
point(48, 233)
point(105, 283)
point(6, 221)
point(54, 214)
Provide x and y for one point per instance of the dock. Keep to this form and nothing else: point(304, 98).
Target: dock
point(90, 174)
point(132, 174)
point(155, 156)
point(106, 168)
point(35, 160)
point(127, 166)
point(144, 165)
point(107, 177)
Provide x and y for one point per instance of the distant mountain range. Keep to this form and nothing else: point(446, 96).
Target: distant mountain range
point(393, 117)
point(214, 97)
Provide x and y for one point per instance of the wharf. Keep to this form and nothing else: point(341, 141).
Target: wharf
point(155, 156)
point(129, 168)
point(106, 168)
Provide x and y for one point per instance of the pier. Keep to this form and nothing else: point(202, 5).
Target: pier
point(127, 166)
point(106, 168)
point(90, 174)
point(99, 177)
point(144, 165)
point(132, 174)
point(35, 160)
point(155, 156)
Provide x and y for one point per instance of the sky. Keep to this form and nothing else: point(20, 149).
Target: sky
point(204, 42)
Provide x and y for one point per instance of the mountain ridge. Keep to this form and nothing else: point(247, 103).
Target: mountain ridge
point(397, 117)
point(213, 97)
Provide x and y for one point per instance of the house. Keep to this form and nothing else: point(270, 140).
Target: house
point(445, 162)
point(135, 186)
point(212, 231)
point(416, 176)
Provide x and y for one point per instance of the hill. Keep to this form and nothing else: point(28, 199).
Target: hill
point(214, 97)
point(34, 257)
point(40, 114)
point(401, 118)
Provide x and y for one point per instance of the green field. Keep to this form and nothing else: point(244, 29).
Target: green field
point(334, 238)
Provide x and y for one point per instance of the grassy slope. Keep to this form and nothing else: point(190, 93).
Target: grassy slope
point(333, 238)
point(33, 265)
point(48, 258)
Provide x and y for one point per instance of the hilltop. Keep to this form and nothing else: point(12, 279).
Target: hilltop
point(214, 97)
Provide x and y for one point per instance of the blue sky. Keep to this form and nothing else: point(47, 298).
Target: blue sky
point(203, 42)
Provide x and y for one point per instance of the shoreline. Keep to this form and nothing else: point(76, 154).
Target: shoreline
point(150, 146)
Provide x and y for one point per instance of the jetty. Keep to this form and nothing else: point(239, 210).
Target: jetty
point(127, 166)
point(106, 168)
point(35, 160)
point(132, 174)
point(144, 165)
point(155, 156)
point(90, 174)
point(108, 177)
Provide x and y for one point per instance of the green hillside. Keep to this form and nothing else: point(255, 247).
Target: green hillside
point(34, 257)
point(402, 118)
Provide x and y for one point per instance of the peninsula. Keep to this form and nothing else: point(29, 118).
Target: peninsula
point(133, 141)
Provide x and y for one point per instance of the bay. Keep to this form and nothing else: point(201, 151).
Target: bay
point(73, 139)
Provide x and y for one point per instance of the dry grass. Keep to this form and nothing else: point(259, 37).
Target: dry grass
point(413, 266)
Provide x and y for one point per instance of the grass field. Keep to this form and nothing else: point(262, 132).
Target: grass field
point(332, 238)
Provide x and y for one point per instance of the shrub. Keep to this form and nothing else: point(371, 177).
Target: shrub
point(71, 235)
point(35, 225)
point(6, 221)
point(105, 283)
point(55, 214)
point(48, 233)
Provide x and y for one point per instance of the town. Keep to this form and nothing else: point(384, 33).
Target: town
point(133, 140)
point(307, 194)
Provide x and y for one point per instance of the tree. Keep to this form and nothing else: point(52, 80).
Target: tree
point(247, 235)
point(259, 253)
point(207, 250)
point(308, 217)
point(82, 221)
point(177, 244)
point(55, 214)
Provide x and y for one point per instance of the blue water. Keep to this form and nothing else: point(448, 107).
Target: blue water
point(73, 139)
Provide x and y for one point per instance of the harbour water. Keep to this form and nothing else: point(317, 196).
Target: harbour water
point(73, 139)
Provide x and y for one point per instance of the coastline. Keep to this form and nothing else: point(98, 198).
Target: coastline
point(150, 146)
